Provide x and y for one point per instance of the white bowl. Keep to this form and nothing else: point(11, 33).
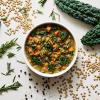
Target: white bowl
point(55, 74)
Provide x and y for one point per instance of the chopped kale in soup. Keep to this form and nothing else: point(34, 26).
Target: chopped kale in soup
point(50, 48)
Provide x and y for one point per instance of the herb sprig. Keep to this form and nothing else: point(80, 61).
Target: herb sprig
point(14, 86)
point(42, 2)
point(4, 47)
point(53, 15)
point(9, 70)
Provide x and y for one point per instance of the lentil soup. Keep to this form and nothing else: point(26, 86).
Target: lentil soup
point(50, 48)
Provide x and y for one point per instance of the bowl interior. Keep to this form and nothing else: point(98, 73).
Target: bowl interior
point(55, 74)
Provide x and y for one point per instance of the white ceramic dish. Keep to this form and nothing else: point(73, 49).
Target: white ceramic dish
point(55, 74)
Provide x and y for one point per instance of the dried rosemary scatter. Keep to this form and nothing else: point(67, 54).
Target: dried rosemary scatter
point(53, 15)
point(4, 47)
point(9, 70)
point(14, 86)
point(42, 2)
point(10, 55)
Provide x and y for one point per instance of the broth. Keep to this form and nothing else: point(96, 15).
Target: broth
point(50, 48)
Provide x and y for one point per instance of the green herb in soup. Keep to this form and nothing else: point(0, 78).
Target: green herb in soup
point(50, 48)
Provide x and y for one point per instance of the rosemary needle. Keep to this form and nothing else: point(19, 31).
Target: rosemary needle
point(21, 62)
point(4, 47)
point(14, 78)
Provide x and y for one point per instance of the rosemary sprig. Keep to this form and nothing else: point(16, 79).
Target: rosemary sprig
point(42, 2)
point(4, 47)
point(53, 15)
point(21, 62)
point(9, 70)
point(14, 86)
point(10, 55)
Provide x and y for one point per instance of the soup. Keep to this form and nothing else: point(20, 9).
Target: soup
point(50, 48)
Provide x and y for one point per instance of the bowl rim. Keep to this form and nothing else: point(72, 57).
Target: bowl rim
point(55, 74)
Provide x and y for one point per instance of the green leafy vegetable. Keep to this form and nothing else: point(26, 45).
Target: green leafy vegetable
point(39, 33)
point(63, 60)
point(85, 13)
point(33, 47)
point(14, 86)
point(10, 55)
point(72, 53)
point(82, 7)
point(33, 33)
point(92, 37)
point(36, 60)
point(63, 35)
point(42, 2)
point(48, 46)
point(4, 47)
point(51, 67)
point(55, 39)
point(42, 33)
point(9, 70)
point(76, 13)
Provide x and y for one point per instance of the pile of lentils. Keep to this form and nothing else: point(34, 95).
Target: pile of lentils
point(17, 13)
point(74, 84)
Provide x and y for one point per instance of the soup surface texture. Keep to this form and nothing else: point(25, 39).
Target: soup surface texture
point(50, 48)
